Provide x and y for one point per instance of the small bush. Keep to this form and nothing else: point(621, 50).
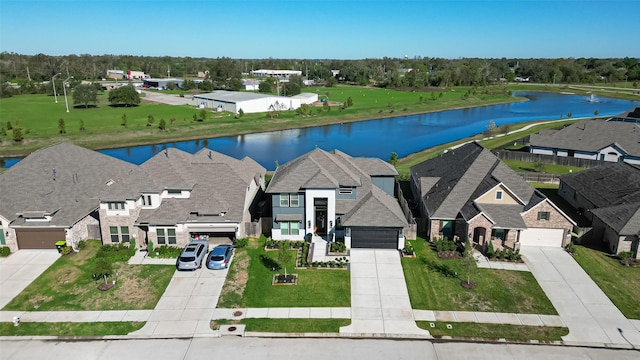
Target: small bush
point(5, 251)
point(240, 243)
point(571, 248)
point(82, 244)
point(338, 247)
point(444, 244)
point(149, 247)
point(66, 250)
point(167, 252)
point(116, 252)
point(491, 252)
point(625, 255)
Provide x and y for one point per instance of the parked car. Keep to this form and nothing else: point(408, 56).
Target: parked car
point(192, 255)
point(220, 257)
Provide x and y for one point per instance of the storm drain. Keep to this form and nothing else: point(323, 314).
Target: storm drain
point(233, 329)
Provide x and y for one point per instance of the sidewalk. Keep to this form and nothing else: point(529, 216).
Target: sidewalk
point(483, 262)
point(141, 258)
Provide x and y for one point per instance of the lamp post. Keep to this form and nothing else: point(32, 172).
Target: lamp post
point(625, 81)
point(55, 96)
point(64, 87)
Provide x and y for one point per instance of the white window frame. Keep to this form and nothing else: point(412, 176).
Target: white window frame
point(284, 228)
point(547, 217)
point(284, 200)
point(294, 198)
point(499, 195)
point(345, 191)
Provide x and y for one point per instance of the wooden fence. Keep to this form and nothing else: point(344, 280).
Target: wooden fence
point(411, 231)
point(547, 159)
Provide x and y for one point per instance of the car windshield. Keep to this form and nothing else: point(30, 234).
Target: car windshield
point(217, 258)
point(187, 258)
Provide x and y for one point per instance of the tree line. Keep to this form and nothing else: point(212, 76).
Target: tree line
point(29, 71)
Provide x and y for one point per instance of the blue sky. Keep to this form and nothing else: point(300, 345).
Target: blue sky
point(347, 29)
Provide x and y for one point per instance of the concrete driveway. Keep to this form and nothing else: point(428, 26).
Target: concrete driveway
point(379, 298)
point(588, 313)
point(186, 307)
point(169, 99)
point(19, 269)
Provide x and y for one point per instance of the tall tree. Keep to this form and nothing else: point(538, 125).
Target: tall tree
point(84, 94)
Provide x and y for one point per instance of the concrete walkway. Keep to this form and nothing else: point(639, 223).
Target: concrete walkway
point(588, 313)
point(380, 302)
point(284, 313)
point(488, 318)
point(483, 262)
point(319, 251)
point(20, 269)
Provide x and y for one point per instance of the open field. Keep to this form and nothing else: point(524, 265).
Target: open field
point(431, 286)
point(615, 90)
point(68, 285)
point(38, 116)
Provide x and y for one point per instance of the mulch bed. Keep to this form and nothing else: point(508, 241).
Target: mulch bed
point(291, 279)
point(468, 285)
point(106, 286)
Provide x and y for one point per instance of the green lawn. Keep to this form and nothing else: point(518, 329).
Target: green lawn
point(253, 266)
point(38, 115)
point(68, 285)
point(497, 290)
point(69, 329)
point(524, 166)
point(620, 283)
point(496, 331)
point(295, 325)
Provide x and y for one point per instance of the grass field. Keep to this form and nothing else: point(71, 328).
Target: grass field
point(523, 166)
point(38, 116)
point(296, 325)
point(496, 331)
point(248, 283)
point(68, 285)
point(620, 283)
point(497, 290)
point(69, 329)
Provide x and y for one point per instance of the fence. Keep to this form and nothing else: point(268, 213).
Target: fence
point(411, 231)
point(540, 177)
point(547, 159)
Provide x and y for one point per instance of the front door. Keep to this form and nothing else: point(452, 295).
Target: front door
point(478, 235)
point(320, 207)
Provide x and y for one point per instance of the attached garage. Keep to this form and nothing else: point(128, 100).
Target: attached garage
point(374, 238)
point(39, 238)
point(542, 237)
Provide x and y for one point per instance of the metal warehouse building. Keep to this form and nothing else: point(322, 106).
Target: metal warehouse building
point(233, 101)
point(161, 84)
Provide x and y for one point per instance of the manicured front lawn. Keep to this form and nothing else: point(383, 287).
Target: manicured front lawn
point(620, 283)
point(253, 267)
point(68, 285)
point(496, 331)
point(497, 290)
point(295, 325)
point(69, 329)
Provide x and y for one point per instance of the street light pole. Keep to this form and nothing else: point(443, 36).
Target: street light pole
point(625, 81)
point(55, 96)
point(64, 87)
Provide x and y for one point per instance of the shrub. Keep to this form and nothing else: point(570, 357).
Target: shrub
point(5, 251)
point(167, 252)
point(625, 255)
point(116, 252)
point(338, 247)
point(82, 244)
point(444, 244)
point(66, 250)
point(571, 248)
point(491, 252)
point(240, 243)
point(149, 247)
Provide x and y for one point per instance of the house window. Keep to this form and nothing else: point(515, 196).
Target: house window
point(124, 231)
point(499, 195)
point(113, 231)
point(284, 200)
point(146, 200)
point(174, 192)
point(116, 205)
point(294, 200)
point(543, 215)
point(161, 238)
point(171, 236)
point(289, 228)
point(345, 191)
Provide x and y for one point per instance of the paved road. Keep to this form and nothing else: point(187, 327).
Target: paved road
point(588, 313)
point(284, 349)
point(20, 269)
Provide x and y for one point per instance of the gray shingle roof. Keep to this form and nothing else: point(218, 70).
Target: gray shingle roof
point(81, 176)
point(505, 216)
point(452, 181)
point(607, 185)
point(592, 135)
point(624, 219)
point(376, 208)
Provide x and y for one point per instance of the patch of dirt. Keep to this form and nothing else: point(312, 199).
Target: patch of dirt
point(468, 285)
point(36, 301)
point(237, 279)
point(63, 276)
point(105, 286)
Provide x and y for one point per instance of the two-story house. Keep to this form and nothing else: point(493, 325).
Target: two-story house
point(332, 194)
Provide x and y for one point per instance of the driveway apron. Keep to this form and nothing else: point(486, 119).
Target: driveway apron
point(380, 302)
point(187, 305)
point(20, 269)
point(588, 313)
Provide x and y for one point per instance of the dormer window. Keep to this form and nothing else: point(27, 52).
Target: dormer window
point(499, 195)
point(146, 200)
point(115, 205)
point(174, 192)
point(345, 191)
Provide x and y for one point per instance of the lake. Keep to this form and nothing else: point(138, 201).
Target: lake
point(378, 138)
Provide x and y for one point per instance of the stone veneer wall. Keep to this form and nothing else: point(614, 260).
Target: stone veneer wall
point(79, 231)
point(118, 220)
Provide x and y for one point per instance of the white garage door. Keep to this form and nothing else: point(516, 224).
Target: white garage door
point(541, 237)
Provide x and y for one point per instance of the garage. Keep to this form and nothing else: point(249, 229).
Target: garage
point(39, 238)
point(541, 237)
point(374, 238)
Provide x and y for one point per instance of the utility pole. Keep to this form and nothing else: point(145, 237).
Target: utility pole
point(28, 74)
point(55, 96)
point(64, 87)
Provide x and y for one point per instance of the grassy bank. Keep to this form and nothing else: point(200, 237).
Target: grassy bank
point(69, 329)
point(39, 115)
point(496, 331)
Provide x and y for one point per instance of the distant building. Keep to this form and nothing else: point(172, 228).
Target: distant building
point(137, 75)
point(280, 74)
point(233, 101)
point(161, 84)
point(115, 74)
point(251, 84)
point(203, 74)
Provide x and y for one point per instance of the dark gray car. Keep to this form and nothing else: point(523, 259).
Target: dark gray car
point(192, 255)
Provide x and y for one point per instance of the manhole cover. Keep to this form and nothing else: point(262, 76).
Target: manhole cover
point(232, 328)
point(237, 313)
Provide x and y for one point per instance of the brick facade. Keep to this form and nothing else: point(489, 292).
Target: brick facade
point(79, 231)
point(556, 220)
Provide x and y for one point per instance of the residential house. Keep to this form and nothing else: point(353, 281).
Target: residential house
point(609, 196)
point(468, 193)
point(176, 197)
point(333, 194)
point(607, 140)
point(52, 195)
